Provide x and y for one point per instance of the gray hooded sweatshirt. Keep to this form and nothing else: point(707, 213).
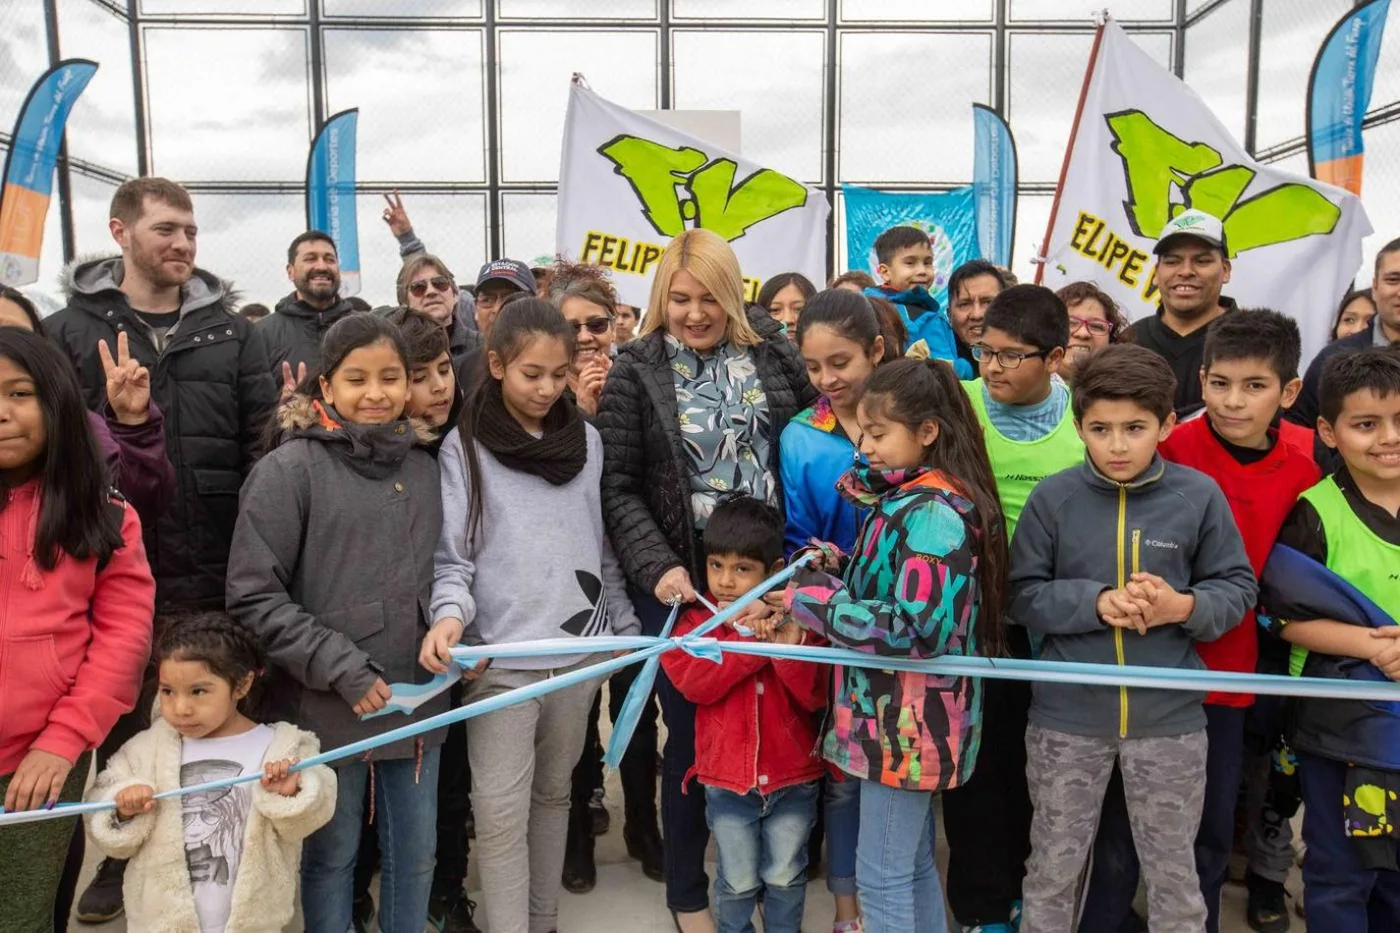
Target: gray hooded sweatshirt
point(1082, 534)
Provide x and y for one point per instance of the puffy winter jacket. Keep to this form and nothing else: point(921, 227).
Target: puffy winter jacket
point(332, 569)
point(213, 385)
point(293, 335)
point(646, 473)
point(816, 453)
point(754, 728)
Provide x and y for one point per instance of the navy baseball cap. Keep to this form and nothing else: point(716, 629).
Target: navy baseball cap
point(515, 273)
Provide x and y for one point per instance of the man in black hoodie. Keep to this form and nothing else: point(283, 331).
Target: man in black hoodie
point(293, 334)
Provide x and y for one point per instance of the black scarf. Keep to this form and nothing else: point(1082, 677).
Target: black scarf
point(558, 456)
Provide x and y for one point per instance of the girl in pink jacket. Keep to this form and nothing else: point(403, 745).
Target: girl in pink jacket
point(76, 602)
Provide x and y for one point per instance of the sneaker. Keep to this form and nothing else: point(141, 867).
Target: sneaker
point(362, 912)
point(1268, 905)
point(102, 901)
point(452, 913)
point(848, 926)
point(602, 819)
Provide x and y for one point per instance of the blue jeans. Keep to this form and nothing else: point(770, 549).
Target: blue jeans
point(762, 842)
point(895, 872)
point(405, 810)
point(1341, 895)
point(842, 834)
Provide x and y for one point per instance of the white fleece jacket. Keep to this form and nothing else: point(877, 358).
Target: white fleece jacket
point(157, 891)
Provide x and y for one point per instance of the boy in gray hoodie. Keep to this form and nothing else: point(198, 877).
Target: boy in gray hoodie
point(1125, 559)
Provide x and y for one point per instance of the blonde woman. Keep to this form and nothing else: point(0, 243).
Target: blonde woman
point(692, 411)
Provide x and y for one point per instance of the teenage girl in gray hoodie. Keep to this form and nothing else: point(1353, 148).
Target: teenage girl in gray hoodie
point(523, 556)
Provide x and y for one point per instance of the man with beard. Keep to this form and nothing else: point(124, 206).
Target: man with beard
point(971, 288)
point(293, 334)
point(1192, 266)
point(209, 375)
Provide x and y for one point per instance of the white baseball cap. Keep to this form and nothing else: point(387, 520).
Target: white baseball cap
point(1192, 223)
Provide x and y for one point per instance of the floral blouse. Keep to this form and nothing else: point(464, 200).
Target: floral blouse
point(724, 424)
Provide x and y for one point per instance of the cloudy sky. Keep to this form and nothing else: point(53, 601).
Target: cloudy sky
point(233, 104)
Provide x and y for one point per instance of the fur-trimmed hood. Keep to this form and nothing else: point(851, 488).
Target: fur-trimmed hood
point(302, 412)
point(93, 274)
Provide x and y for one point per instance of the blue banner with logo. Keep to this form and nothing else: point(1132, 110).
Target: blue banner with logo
point(28, 186)
point(1339, 91)
point(994, 181)
point(330, 193)
point(949, 218)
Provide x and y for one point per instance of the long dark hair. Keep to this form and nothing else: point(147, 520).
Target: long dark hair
point(74, 517)
point(518, 324)
point(782, 280)
point(1351, 295)
point(851, 316)
point(914, 391)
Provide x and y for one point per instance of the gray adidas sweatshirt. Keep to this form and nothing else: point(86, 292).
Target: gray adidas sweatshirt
point(541, 565)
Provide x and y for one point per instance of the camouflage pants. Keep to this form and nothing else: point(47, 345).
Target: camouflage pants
point(1164, 784)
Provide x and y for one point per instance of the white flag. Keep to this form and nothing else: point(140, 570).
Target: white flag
point(1149, 148)
point(628, 184)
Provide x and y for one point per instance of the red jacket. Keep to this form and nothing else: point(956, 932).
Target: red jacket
point(1261, 495)
point(754, 729)
point(73, 642)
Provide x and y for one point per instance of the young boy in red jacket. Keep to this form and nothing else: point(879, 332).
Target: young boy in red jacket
point(756, 738)
point(1249, 374)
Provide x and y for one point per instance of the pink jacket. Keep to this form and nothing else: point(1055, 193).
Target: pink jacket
point(73, 642)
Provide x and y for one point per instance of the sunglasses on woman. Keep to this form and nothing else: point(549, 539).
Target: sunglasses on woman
point(440, 283)
point(597, 326)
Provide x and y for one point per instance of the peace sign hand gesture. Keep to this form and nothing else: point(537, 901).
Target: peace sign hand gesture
point(290, 381)
point(128, 382)
point(395, 216)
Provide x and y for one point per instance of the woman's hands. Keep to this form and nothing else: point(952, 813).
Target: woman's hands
point(590, 383)
point(674, 587)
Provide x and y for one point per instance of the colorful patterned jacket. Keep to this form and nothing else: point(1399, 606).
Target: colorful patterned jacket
point(910, 590)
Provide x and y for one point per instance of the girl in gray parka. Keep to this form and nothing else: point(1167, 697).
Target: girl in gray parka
point(332, 568)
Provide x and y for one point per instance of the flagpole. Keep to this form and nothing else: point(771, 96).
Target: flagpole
point(1069, 149)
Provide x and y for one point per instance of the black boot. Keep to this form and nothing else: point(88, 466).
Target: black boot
point(643, 841)
point(580, 871)
point(102, 901)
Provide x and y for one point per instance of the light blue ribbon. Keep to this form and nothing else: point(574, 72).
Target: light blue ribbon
point(648, 650)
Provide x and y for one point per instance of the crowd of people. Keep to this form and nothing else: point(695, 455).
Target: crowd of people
point(227, 533)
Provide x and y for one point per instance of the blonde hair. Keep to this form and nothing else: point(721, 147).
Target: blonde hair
point(706, 256)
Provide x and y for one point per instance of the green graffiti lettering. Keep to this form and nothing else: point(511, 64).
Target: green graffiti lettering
point(653, 171)
point(728, 210)
point(659, 175)
point(1167, 175)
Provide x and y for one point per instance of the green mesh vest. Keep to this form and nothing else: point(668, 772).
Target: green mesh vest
point(1355, 553)
point(1019, 465)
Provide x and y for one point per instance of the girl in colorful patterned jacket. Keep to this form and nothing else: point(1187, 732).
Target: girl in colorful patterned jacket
point(925, 579)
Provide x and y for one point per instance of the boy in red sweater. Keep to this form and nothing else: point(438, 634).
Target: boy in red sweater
point(1249, 374)
point(756, 739)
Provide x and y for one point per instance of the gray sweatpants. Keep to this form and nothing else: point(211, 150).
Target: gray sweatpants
point(522, 760)
point(1164, 784)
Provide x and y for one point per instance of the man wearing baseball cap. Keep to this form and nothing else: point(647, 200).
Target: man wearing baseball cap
point(1192, 266)
point(497, 281)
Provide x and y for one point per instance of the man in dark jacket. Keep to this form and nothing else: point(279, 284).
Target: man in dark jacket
point(426, 284)
point(209, 375)
point(211, 379)
point(293, 334)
